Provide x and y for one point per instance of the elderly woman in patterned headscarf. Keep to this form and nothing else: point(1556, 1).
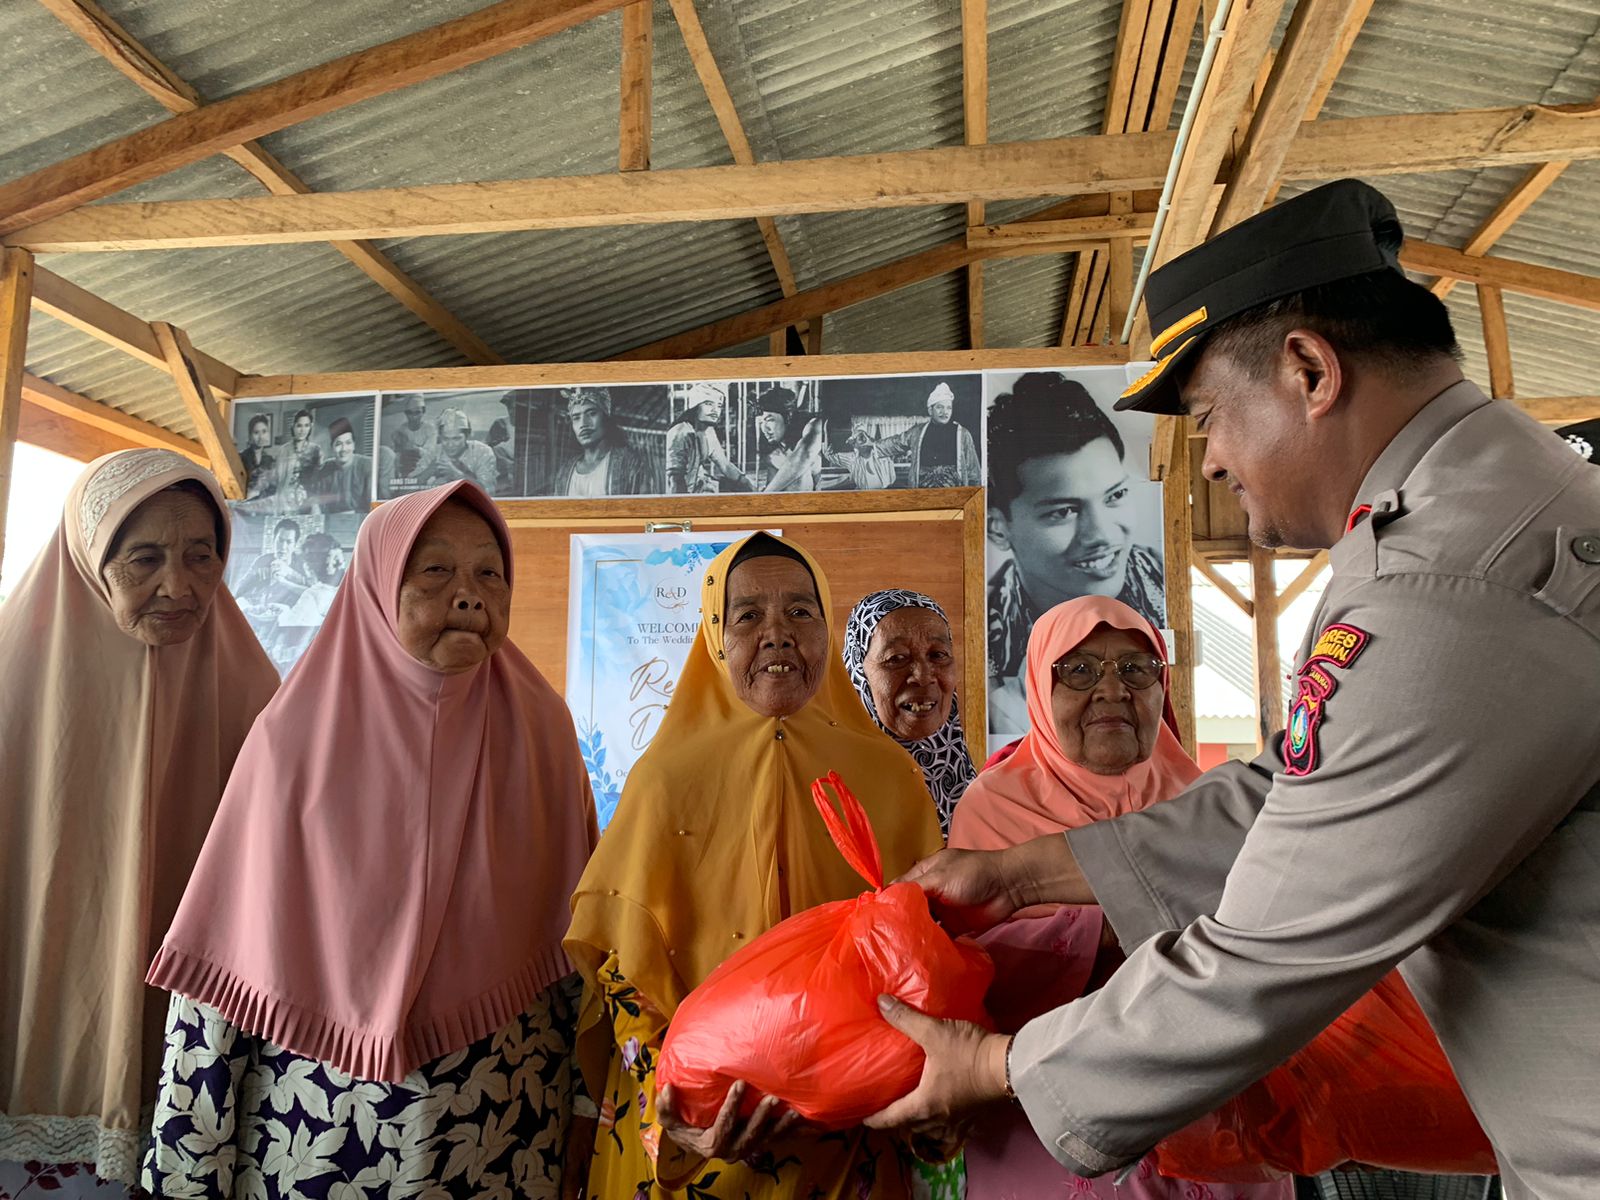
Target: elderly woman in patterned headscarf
point(132, 679)
point(901, 658)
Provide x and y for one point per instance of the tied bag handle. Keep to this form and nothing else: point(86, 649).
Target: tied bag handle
point(851, 833)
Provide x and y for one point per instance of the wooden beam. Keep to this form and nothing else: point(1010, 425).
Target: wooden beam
point(814, 337)
point(49, 431)
point(1417, 142)
point(1269, 668)
point(666, 371)
point(16, 284)
point(1517, 201)
point(190, 137)
point(733, 131)
point(1178, 532)
point(53, 398)
point(975, 123)
point(1224, 585)
point(1084, 268)
point(1226, 97)
point(1548, 283)
point(1069, 234)
point(1297, 586)
point(830, 297)
point(1560, 410)
point(638, 30)
point(97, 28)
point(226, 464)
point(778, 343)
point(1496, 341)
point(1309, 44)
point(1354, 22)
point(900, 179)
point(100, 319)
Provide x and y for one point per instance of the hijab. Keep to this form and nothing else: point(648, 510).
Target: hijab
point(716, 838)
point(386, 880)
point(1038, 789)
point(115, 755)
point(943, 756)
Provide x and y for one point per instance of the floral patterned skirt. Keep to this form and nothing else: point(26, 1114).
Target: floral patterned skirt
point(239, 1117)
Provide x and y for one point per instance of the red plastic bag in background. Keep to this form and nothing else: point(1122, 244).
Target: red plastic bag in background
point(1373, 1088)
point(795, 1013)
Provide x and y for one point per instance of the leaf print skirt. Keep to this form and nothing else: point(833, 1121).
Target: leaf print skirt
point(239, 1117)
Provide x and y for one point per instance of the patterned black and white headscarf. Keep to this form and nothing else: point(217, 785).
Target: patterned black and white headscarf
point(943, 756)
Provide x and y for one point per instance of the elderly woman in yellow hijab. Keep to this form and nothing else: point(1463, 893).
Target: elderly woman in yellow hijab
point(714, 842)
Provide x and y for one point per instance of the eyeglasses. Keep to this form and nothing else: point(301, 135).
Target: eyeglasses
point(1080, 672)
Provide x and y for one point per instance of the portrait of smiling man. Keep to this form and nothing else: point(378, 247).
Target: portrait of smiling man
point(1066, 519)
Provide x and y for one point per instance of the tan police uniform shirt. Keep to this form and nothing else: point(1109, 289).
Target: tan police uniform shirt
point(1437, 807)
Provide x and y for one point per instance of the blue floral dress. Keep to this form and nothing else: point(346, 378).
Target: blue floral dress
point(239, 1117)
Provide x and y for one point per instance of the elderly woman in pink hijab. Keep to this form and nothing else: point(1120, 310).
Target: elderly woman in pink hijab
point(131, 679)
point(369, 990)
point(1101, 742)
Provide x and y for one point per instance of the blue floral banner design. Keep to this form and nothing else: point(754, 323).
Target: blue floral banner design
point(632, 616)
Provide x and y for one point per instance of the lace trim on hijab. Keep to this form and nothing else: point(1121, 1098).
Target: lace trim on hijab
point(113, 1153)
point(115, 480)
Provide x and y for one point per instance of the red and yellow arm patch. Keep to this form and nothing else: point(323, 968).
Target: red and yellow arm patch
point(1338, 645)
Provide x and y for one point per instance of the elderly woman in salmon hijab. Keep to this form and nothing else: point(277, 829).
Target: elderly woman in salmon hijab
point(1101, 742)
point(714, 842)
point(367, 975)
point(131, 681)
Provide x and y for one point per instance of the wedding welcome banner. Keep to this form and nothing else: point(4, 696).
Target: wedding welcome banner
point(633, 614)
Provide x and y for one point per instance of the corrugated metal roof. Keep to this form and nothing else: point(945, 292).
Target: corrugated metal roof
point(848, 76)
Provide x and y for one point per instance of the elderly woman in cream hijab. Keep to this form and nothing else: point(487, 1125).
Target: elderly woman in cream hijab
point(132, 681)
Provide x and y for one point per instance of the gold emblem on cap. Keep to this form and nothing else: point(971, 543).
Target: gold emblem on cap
point(1176, 330)
point(1155, 372)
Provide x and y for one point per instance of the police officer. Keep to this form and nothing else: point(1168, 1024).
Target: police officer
point(1434, 801)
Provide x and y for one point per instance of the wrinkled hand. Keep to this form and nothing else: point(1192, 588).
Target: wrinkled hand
point(969, 891)
point(729, 1138)
point(965, 1069)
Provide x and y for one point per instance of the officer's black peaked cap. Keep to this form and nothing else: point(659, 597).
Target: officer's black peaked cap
point(1333, 232)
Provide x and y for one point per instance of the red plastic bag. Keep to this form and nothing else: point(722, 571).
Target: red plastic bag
point(795, 1013)
point(1373, 1088)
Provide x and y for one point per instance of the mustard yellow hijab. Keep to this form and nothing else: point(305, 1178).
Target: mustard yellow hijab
point(716, 838)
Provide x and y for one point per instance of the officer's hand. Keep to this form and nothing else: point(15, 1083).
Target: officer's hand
point(965, 1068)
point(969, 891)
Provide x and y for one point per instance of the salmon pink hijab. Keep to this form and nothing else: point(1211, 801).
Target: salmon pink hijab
point(387, 878)
point(1038, 789)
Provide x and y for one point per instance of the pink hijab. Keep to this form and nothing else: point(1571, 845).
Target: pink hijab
point(1038, 789)
point(387, 878)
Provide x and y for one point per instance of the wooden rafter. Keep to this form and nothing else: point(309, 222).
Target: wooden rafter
point(226, 464)
point(1548, 283)
point(1309, 46)
point(1516, 202)
point(97, 28)
point(1496, 341)
point(975, 124)
point(1264, 617)
point(638, 30)
point(1225, 585)
point(55, 399)
point(16, 281)
point(100, 319)
point(213, 128)
point(1297, 586)
point(1066, 234)
point(1418, 142)
point(830, 297)
point(733, 131)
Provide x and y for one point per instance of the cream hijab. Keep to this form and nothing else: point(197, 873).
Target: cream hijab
point(716, 838)
point(116, 754)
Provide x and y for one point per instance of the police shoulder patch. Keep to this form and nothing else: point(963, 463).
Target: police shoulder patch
point(1338, 645)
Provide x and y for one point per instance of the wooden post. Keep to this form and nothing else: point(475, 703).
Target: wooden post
point(814, 336)
point(1179, 528)
point(1269, 684)
point(975, 119)
point(210, 429)
point(1496, 341)
point(633, 136)
point(16, 289)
